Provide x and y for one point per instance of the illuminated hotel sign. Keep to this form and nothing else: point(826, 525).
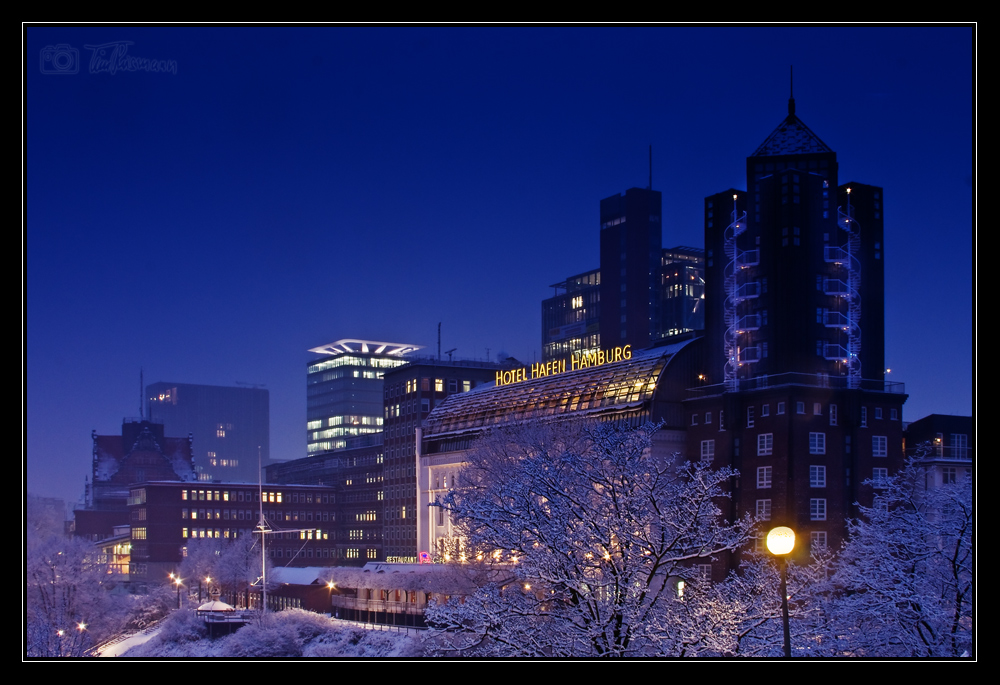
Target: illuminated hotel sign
point(581, 360)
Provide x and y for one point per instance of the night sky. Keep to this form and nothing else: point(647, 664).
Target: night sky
point(289, 187)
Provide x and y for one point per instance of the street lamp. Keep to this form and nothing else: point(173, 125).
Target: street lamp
point(780, 542)
point(177, 582)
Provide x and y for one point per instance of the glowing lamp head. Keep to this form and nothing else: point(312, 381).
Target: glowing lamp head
point(780, 540)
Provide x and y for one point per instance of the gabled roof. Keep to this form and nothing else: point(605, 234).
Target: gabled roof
point(792, 137)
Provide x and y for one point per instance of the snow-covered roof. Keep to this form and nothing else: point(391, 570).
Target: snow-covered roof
point(307, 575)
point(623, 385)
point(443, 578)
point(216, 606)
point(792, 137)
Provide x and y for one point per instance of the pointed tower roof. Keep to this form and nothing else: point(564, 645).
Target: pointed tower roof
point(792, 137)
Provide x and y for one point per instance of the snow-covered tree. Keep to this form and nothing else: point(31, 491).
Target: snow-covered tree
point(595, 534)
point(67, 609)
point(904, 584)
point(233, 565)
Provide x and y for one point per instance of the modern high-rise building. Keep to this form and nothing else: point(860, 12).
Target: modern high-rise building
point(641, 294)
point(631, 253)
point(793, 391)
point(344, 390)
point(373, 472)
point(571, 318)
point(230, 426)
point(682, 291)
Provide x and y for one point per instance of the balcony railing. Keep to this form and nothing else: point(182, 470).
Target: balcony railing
point(801, 379)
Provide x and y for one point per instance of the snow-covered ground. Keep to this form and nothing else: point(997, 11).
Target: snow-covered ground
point(119, 647)
point(291, 633)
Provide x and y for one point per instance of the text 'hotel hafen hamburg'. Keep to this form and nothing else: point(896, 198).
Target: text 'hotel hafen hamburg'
point(786, 382)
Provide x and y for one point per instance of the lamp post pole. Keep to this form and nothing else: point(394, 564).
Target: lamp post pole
point(780, 542)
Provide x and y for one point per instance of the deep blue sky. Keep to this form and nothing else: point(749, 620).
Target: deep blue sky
point(289, 187)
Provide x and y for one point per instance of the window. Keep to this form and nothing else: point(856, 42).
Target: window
point(749, 417)
point(764, 509)
point(949, 475)
point(438, 385)
point(817, 443)
point(764, 477)
point(800, 407)
point(864, 417)
point(765, 442)
point(817, 409)
point(722, 422)
point(765, 410)
point(893, 415)
point(708, 417)
point(694, 419)
point(879, 478)
point(707, 450)
point(959, 446)
point(817, 541)
point(817, 509)
point(878, 412)
point(452, 385)
point(833, 415)
point(781, 408)
point(817, 476)
point(879, 446)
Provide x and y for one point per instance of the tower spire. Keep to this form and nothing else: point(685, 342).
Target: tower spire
point(791, 89)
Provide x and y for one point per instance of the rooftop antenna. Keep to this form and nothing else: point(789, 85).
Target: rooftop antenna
point(439, 341)
point(650, 167)
point(791, 89)
point(141, 412)
point(449, 353)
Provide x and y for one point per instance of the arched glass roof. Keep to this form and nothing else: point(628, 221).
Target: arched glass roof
point(610, 388)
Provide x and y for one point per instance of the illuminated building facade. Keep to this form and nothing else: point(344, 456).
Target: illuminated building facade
point(230, 426)
point(637, 387)
point(166, 516)
point(344, 390)
point(793, 392)
point(571, 318)
point(412, 391)
point(355, 474)
point(682, 291)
